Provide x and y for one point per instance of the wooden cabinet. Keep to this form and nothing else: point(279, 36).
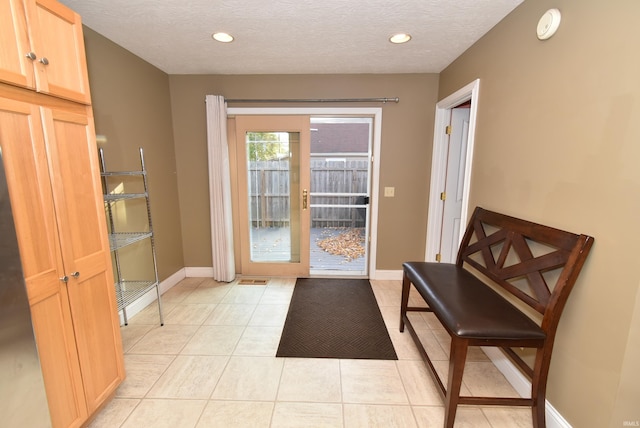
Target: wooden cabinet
point(43, 48)
point(53, 175)
point(30, 188)
point(54, 187)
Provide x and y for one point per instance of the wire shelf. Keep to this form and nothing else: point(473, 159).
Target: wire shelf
point(121, 239)
point(129, 291)
point(114, 197)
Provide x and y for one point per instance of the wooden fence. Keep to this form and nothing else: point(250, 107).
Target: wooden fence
point(341, 182)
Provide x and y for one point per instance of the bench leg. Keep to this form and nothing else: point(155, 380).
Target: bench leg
point(406, 287)
point(457, 359)
point(539, 387)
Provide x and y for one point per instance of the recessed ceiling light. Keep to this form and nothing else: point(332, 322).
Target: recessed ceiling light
point(223, 37)
point(400, 38)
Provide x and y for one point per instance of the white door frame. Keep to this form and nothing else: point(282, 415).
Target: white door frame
point(439, 164)
point(376, 113)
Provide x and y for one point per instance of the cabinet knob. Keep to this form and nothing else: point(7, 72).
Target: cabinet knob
point(31, 56)
point(64, 278)
point(75, 274)
point(44, 60)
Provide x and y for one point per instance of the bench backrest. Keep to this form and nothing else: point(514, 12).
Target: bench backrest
point(537, 264)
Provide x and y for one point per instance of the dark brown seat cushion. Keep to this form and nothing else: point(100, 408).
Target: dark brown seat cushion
point(466, 306)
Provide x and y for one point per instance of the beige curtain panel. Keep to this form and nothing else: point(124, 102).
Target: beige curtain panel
point(220, 190)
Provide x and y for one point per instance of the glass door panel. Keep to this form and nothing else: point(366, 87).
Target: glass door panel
point(273, 193)
point(340, 188)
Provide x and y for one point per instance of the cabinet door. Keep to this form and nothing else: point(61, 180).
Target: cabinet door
point(50, 34)
point(80, 214)
point(15, 66)
point(56, 35)
point(29, 185)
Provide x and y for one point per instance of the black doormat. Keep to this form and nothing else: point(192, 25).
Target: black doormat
point(335, 318)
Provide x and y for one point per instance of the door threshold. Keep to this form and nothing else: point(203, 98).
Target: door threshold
point(336, 275)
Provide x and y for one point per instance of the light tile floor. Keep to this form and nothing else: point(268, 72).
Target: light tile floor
point(213, 364)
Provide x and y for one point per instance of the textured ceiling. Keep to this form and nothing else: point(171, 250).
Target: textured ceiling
point(293, 36)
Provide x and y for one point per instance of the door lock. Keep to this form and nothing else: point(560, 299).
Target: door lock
point(305, 196)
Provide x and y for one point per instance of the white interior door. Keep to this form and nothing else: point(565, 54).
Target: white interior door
point(440, 166)
point(454, 183)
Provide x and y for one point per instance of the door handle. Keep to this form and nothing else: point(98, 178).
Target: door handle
point(305, 196)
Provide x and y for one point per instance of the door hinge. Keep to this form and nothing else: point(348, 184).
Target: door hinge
point(443, 196)
point(447, 130)
point(438, 257)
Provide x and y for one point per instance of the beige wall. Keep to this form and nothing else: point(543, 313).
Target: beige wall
point(558, 142)
point(627, 406)
point(407, 134)
point(132, 109)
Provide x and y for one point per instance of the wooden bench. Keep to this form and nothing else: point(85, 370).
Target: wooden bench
point(534, 263)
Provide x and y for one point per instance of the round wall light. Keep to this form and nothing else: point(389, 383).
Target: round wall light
point(222, 37)
point(400, 38)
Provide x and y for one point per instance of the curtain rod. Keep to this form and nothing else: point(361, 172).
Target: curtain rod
point(318, 100)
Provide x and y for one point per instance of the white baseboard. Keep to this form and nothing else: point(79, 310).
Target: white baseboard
point(522, 385)
point(207, 272)
point(386, 275)
point(151, 295)
point(199, 272)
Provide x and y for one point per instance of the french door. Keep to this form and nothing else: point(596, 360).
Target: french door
point(303, 193)
point(274, 184)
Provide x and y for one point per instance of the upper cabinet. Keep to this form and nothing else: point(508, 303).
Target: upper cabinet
point(43, 48)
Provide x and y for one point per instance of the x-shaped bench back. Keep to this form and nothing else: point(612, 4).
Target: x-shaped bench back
point(537, 264)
